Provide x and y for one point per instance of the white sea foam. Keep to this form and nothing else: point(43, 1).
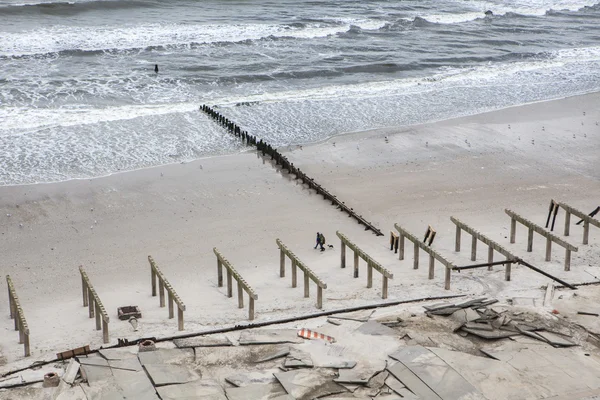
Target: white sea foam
point(62, 38)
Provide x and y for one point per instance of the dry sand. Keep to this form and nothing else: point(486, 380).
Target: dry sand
point(471, 168)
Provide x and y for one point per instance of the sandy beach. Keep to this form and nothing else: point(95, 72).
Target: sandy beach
point(471, 168)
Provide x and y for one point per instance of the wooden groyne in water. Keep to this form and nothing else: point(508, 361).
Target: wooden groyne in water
point(266, 149)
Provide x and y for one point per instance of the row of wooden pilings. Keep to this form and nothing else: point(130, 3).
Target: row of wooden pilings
point(267, 150)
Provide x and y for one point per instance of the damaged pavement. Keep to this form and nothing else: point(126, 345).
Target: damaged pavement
point(463, 350)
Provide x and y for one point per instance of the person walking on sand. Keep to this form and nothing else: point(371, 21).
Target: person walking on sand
point(318, 240)
point(322, 241)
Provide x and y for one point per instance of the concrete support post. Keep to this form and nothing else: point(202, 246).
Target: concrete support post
point(355, 264)
point(416, 260)
point(530, 240)
point(369, 275)
point(306, 285)
point(153, 278)
point(513, 229)
point(179, 319)
point(161, 292)
point(105, 338)
point(281, 264)
point(219, 273)
point(431, 267)
point(343, 255)
point(401, 252)
point(84, 290)
point(548, 249)
point(98, 321)
point(384, 289)
point(294, 274)
point(567, 222)
point(91, 303)
point(447, 278)
point(567, 260)
point(473, 248)
point(240, 295)
point(251, 309)
point(457, 244)
point(171, 311)
point(586, 232)
point(319, 297)
point(229, 285)
point(507, 271)
point(490, 257)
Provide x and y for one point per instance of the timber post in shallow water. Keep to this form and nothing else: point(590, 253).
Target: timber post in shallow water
point(280, 159)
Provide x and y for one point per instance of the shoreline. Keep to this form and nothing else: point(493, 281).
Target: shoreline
point(472, 167)
point(368, 132)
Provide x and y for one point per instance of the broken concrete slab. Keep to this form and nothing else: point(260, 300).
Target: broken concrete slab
point(250, 378)
point(135, 384)
point(325, 355)
point(204, 389)
point(444, 311)
point(523, 301)
point(353, 377)
point(434, 372)
point(130, 364)
point(412, 382)
point(494, 334)
point(334, 321)
point(308, 384)
point(71, 372)
point(94, 368)
point(72, 393)
point(105, 390)
point(258, 392)
point(555, 339)
point(298, 359)
point(394, 384)
point(118, 353)
point(203, 341)
point(360, 316)
point(478, 325)
point(167, 356)
point(168, 374)
point(375, 328)
point(269, 336)
point(272, 354)
point(438, 306)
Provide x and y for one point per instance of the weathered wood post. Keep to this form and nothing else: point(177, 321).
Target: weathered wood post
point(229, 284)
point(490, 256)
point(179, 319)
point(319, 297)
point(548, 249)
point(567, 222)
point(84, 291)
point(240, 295)
point(513, 229)
point(161, 292)
point(384, 288)
point(251, 309)
point(401, 256)
point(567, 259)
point(294, 274)
point(355, 264)
point(219, 273)
point(91, 303)
point(98, 325)
point(447, 278)
point(586, 231)
point(369, 275)
point(473, 248)
point(416, 260)
point(343, 254)
point(171, 309)
point(153, 278)
point(457, 241)
point(530, 240)
point(431, 266)
point(306, 285)
point(281, 264)
point(507, 270)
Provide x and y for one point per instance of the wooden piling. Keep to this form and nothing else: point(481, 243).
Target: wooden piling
point(567, 223)
point(416, 256)
point(229, 284)
point(457, 241)
point(530, 240)
point(548, 249)
point(431, 266)
point(490, 256)
point(401, 255)
point(343, 254)
point(306, 285)
point(294, 274)
point(240, 295)
point(281, 264)
point(473, 248)
point(369, 275)
point(355, 264)
point(171, 310)
point(513, 229)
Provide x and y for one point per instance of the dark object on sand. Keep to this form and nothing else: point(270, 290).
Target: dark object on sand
point(156, 68)
point(488, 12)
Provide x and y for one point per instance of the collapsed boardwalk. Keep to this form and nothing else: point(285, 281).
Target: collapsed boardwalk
point(163, 283)
point(242, 285)
point(16, 313)
point(92, 300)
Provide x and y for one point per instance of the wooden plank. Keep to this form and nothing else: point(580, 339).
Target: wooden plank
point(580, 214)
point(300, 264)
point(540, 230)
point(236, 275)
point(374, 264)
point(166, 284)
point(497, 247)
point(73, 352)
point(424, 246)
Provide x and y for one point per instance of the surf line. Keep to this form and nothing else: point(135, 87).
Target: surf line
point(266, 149)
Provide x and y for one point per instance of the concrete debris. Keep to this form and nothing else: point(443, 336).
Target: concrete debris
point(168, 374)
point(354, 377)
point(555, 340)
point(360, 316)
point(269, 336)
point(523, 301)
point(205, 389)
point(298, 359)
point(203, 341)
point(376, 329)
point(334, 321)
point(167, 356)
point(250, 378)
point(277, 352)
point(308, 384)
point(549, 295)
point(258, 392)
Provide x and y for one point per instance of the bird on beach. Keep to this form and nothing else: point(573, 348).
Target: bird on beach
point(156, 68)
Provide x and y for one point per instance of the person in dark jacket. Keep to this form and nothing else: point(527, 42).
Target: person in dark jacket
point(318, 240)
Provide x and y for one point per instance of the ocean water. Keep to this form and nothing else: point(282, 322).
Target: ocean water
point(79, 97)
